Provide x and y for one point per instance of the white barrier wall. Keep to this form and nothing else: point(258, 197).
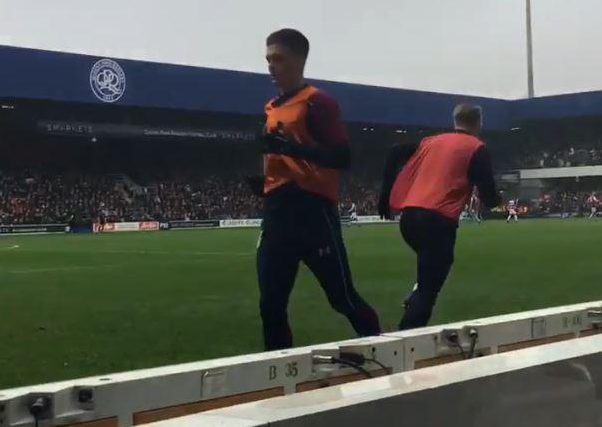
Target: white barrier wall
point(555, 385)
point(569, 172)
point(139, 397)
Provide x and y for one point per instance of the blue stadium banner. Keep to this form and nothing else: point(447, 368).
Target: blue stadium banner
point(67, 77)
point(138, 131)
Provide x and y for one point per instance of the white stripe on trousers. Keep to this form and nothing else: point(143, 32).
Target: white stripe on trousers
point(339, 258)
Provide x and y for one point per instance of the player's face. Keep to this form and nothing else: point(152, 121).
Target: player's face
point(284, 66)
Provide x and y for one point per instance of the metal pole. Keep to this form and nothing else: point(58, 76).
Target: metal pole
point(530, 80)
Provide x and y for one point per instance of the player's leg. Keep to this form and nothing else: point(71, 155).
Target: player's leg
point(435, 250)
point(326, 257)
point(277, 266)
point(413, 236)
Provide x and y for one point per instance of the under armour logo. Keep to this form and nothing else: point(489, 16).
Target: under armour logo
point(324, 251)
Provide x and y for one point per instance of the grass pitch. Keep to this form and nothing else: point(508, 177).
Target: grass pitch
point(73, 306)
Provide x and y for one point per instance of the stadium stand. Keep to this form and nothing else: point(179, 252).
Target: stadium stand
point(29, 197)
point(39, 198)
point(182, 152)
point(182, 157)
point(566, 157)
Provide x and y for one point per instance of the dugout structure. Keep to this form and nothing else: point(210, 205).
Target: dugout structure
point(154, 395)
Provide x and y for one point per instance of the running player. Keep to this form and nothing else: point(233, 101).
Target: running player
point(352, 213)
point(430, 183)
point(566, 206)
point(102, 217)
point(593, 202)
point(512, 211)
point(306, 147)
point(475, 206)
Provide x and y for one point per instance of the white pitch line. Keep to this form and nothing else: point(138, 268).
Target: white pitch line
point(143, 252)
point(55, 269)
point(8, 248)
point(125, 252)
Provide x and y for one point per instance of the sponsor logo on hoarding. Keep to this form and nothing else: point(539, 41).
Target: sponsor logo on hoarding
point(193, 224)
point(107, 80)
point(149, 226)
point(367, 219)
point(240, 223)
point(32, 229)
point(111, 227)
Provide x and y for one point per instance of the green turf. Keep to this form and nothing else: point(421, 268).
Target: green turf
point(72, 306)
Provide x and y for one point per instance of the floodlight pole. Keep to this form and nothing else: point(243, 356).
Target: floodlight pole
point(530, 80)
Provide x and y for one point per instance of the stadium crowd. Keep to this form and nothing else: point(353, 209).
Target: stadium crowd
point(568, 157)
point(196, 198)
point(36, 198)
point(364, 193)
point(574, 203)
point(33, 198)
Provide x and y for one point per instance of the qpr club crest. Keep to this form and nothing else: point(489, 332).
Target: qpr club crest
point(107, 80)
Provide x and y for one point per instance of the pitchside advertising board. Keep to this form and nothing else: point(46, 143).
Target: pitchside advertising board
point(239, 223)
point(184, 225)
point(33, 229)
point(236, 223)
point(115, 227)
point(201, 224)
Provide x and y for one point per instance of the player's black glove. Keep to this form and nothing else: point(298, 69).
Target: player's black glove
point(276, 143)
point(256, 183)
point(337, 157)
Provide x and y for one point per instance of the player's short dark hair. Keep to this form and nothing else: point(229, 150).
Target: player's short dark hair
point(468, 114)
point(292, 39)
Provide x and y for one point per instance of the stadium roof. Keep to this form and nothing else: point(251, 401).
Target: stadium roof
point(39, 74)
point(558, 107)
